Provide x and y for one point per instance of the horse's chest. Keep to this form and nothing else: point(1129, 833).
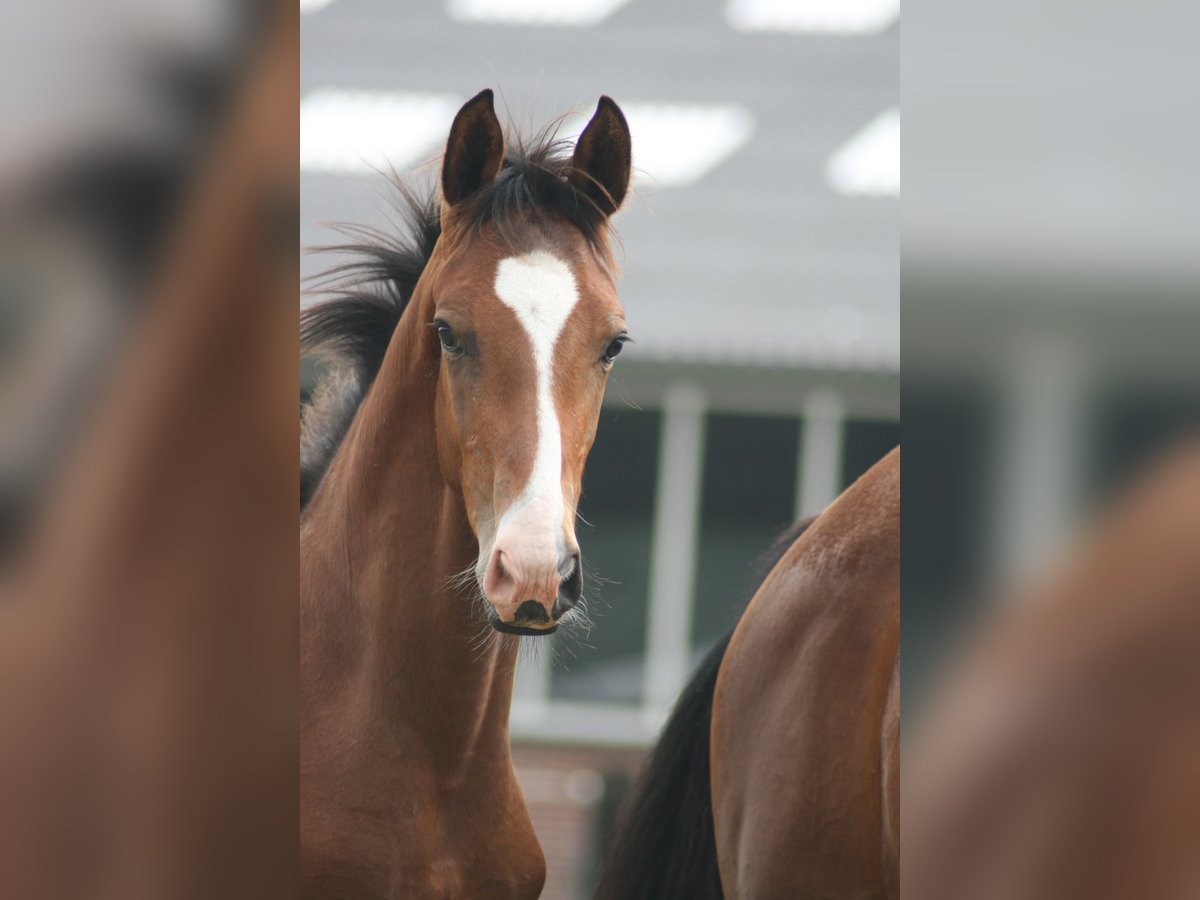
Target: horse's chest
point(480, 847)
point(446, 879)
point(451, 881)
point(469, 866)
point(483, 846)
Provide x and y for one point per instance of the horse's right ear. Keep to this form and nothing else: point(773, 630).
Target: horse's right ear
point(475, 150)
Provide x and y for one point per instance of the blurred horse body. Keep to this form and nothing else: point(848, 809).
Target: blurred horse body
point(777, 775)
point(148, 629)
point(1060, 753)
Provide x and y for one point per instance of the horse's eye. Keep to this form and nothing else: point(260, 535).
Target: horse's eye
point(446, 336)
point(613, 350)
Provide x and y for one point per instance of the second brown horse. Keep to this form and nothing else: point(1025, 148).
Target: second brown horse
point(777, 775)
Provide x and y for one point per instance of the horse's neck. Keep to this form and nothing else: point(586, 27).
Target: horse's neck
point(382, 541)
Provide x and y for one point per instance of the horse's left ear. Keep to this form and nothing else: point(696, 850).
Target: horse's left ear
point(604, 157)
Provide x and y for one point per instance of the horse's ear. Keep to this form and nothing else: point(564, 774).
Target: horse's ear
point(604, 157)
point(475, 150)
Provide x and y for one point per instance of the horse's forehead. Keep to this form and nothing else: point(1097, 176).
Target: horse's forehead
point(546, 283)
point(541, 289)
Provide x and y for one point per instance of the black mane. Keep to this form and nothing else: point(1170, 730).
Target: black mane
point(352, 329)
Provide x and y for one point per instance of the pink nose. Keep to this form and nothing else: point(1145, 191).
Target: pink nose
point(531, 589)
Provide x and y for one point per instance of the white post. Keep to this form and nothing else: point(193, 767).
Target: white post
point(673, 552)
point(819, 462)
point(1040, 462)
point(531, 693)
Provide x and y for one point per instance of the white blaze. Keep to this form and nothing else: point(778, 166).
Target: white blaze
point(540, 288)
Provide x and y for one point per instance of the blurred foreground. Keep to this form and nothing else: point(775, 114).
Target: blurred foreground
point(1062, 756)
point(147, 467)
point(1051, 391)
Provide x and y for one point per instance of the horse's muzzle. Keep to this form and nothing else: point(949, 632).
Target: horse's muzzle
point(505, 581)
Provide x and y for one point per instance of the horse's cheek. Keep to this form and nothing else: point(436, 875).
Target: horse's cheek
point(449, 434)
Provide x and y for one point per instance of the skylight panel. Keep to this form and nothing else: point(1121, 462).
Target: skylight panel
point(359, 131)
point(555, 13)
point(312, 6)
point(833, 17)
point(677, 144)
point(869, 163)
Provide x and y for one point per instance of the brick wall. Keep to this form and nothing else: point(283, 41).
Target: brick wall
point(572, 793)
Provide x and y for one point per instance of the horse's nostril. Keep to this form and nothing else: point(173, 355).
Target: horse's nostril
point(532, 613)
point(571, 588)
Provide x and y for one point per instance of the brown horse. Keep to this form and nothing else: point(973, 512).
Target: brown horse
point(442, 472)
point(777, 775)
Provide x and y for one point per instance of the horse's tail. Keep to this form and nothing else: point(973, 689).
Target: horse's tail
point(664, 847)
